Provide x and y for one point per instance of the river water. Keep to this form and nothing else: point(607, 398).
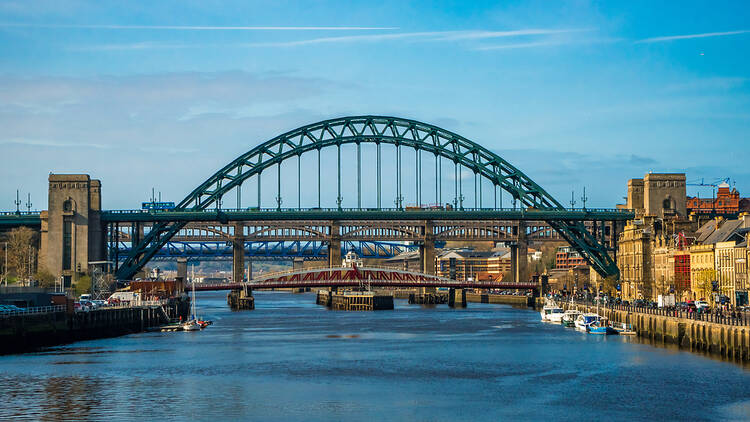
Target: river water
point(293, 360)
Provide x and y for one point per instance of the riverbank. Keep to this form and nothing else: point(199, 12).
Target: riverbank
point(727, 341)
point(26, 332)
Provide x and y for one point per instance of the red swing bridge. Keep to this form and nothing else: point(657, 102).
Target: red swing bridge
point(355, 276)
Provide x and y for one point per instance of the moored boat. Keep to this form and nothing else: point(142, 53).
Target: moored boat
point(569, 317)
point(624, 329)
point(551, 313)
point(601, 326)
point(583, 321)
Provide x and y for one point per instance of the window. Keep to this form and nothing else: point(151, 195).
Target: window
point(67, 243)
point(68, 205)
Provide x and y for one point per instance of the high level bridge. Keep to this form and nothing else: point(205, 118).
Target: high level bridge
point(465, 183)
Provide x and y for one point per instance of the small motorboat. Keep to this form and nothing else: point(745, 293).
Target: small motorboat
point(552, 313)
point(583, 321)
point(624, 329)
point(569, 317)
point(601, 326)
point(192, 325)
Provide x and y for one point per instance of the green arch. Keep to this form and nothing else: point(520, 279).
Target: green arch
point(373, 129)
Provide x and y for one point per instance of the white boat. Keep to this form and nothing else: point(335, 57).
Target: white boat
point(583, 321)
point(569, 317)
point(552, 313)
point(191, 326)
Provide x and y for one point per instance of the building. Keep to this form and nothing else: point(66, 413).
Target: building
point(567, 257)
point(726, 201)
point(471, 264)
point(731, 271)
point(702, 267)
point(659, 195)
point(72, 235)
point(634, 258)
point(720, 258)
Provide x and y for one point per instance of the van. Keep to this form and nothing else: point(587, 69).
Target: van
point(85, 297)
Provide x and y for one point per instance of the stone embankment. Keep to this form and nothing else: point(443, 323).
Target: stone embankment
point(501, 299)
point(725, 338)
point(27, 331)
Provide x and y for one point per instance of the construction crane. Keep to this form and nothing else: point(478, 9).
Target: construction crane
point(715, 184)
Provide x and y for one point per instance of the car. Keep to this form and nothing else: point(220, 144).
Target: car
point(702, 304)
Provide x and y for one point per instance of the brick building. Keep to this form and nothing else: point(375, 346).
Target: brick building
point(726, 201)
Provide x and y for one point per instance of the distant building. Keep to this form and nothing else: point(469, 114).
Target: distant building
point(634, 258)
point(659, 195)
point(471, 264)
point(567, 257)
point(726, 201)
point(701, 270)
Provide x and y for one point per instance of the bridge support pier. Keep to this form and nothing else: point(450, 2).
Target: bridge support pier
point(521, 271)
point(238, 253)
point(241, 299)
point(456, 298)
point(427, 255)
point(182, 268)
point(334, 246)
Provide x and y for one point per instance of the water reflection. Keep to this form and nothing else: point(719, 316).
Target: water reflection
point(290, 359)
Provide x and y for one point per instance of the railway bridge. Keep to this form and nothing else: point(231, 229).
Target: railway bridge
point(442, 186)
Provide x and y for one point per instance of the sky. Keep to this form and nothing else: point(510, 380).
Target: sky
point(576, 94)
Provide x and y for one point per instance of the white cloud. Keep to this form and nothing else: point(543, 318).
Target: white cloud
point(198, 28)
point(427, 36)
point(691, 36)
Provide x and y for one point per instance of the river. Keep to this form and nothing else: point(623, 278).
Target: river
point(293, 360)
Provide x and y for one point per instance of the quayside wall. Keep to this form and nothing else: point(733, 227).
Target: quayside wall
point(501, 299)
point(727, 340)
point(26, 332)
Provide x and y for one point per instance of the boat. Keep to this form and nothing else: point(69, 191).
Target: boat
point(583, 321)
point(552, 313)
point(624, 329)
point(569, 317)
point(194, 324)
point(191, 326)
point(601, 326)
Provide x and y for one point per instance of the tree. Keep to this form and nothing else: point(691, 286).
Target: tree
point(610, 284)
point(21, 251)
point(45, 278)
point(705, 282)
point(83, 285)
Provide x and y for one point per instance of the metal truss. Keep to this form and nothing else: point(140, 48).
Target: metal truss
point(422, 137)
point(280, 250)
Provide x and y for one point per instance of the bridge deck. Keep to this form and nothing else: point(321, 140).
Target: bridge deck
point(364, 214)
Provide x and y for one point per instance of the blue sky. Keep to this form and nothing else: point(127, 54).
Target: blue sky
point(162, 94)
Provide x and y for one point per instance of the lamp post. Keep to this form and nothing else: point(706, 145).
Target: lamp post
point(5, 267)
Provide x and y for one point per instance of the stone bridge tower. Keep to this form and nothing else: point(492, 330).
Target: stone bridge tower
point(72, 234)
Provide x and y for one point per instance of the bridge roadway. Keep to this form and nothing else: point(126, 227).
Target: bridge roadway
point(357, 277)
point(373, 214)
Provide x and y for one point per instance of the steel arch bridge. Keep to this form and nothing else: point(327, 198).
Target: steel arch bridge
point(378, 130)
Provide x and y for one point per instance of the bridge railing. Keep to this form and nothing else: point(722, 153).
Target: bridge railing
point(717, 316)
point(20, 213)
point(34, 310)
point(276, 274)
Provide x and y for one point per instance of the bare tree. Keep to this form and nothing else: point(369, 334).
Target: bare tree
point(22, 252)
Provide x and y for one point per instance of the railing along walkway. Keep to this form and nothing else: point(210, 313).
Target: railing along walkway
point(716, 316)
